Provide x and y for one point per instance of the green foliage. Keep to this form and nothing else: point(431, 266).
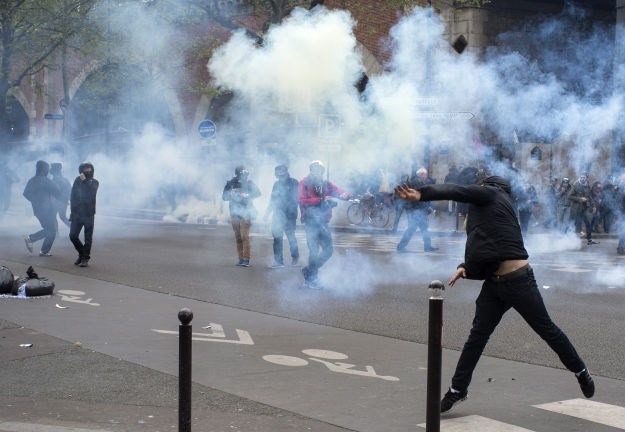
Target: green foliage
point(471, 3)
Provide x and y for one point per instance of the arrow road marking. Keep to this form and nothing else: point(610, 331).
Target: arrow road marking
point(217, 335)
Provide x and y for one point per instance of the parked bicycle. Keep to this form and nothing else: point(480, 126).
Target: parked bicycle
point(371, 209)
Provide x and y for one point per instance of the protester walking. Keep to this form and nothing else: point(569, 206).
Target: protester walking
point(42, 194)
point(316, 208)
point(82, 217)
point(418, 212)
point(495, 253)
point(283, 209)
point(240, 193)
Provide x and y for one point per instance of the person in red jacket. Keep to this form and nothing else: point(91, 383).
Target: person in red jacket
point(315, 201)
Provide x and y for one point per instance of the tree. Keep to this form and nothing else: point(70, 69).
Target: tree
point(30, 32)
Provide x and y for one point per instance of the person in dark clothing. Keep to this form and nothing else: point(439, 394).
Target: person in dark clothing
point(582, 206)
point(240, 192)
point(65, 188)
point(418, 212)
point(7, 178)
point(82, 216)
point(283, 207)
point(42, 193)
point(316, 211)
point(495, 253)
point(526, 199)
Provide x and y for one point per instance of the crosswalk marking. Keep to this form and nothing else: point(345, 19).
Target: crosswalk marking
point(33, 427)
point(597, 412)
point(475, 423)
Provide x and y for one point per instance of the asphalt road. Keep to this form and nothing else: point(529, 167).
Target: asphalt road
point(370, 291)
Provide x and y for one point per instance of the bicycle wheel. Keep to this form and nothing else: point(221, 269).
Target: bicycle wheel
point(380, 216)
point(355, 214)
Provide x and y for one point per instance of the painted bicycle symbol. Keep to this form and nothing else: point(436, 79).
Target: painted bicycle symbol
point(322, 356)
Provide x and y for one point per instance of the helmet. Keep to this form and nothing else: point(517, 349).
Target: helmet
point(317, 168)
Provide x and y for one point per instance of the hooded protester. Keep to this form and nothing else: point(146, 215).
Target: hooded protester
point(283, 207)
point(42, 194)
point(316, 209)
point(65, 188)
point(495, 253)
point(240, 193)
point(82, 206)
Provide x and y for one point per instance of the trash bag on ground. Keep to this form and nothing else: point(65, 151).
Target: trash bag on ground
point(6, 280)
point(31, 285)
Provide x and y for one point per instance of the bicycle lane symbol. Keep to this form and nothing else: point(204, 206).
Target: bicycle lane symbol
point(322, 356)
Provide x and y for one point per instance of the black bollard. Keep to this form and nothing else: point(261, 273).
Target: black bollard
point(184, 370)
point(435, 357)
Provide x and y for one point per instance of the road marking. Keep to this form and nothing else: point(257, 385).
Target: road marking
point(475, 423)
point(217, 335)
point(339, 367)
point(597, 412)
point(33, 427)
point(75, 297)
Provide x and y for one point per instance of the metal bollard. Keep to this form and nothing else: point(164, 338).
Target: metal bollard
point(184, 370)
point(435, 357)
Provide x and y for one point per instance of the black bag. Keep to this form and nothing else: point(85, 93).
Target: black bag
point(6, 280)
point(38, 287)
point(33, 284)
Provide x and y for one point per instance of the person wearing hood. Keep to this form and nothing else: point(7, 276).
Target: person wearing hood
point(82, 216)
point(283, 208)
point(42, 194)
point(495, 253)
point(65, 188)
point(240, 192)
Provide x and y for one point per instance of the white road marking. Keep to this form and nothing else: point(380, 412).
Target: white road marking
point(33, 427)
point(597, 412)
point(217, 335)
point(475, 423)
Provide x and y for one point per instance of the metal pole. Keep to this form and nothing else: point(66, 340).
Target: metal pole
point(184, 370)
point(435, 356)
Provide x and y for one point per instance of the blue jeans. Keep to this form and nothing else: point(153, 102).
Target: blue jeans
point(320, 247)
point(416, 219)
point(48, 231)
point(496, 297)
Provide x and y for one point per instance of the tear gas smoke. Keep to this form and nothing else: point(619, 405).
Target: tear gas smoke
point(295, 101)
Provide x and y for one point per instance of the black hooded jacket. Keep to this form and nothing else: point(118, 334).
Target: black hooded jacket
point(41, 191)
point(83, 195)
point(493, 231)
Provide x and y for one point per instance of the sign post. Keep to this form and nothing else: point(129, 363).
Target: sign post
point(207, 130)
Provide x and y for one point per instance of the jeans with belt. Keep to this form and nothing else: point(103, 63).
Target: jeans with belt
point(515, 290)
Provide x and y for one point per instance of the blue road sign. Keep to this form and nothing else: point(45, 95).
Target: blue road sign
point(207, 129)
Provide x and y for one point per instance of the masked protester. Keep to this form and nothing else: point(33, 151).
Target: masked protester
point(65, 188)
point(42, 194)
point(240, 193)
point(495, 253)
point(283, 207)
point(82, 205)
point(316, 208)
